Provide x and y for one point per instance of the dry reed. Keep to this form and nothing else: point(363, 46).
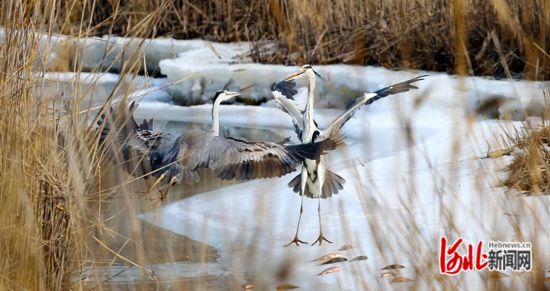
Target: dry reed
point(529, 170)
point(49, 158)
point(52, 221)
point(476, 37)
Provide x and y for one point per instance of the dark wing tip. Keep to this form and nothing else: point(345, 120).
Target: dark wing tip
point(399, 87)
point(304, 151)
point(332, 142)
point(286, 88)
point(312, 151)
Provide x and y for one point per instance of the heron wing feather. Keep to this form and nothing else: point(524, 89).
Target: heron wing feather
point(232, 158)
point(284, 98)
point(369, 98)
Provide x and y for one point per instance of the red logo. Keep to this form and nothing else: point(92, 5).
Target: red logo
point(451, 262)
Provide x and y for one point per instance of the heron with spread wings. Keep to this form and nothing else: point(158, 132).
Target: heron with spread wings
point(176, 158)
point(315, 180)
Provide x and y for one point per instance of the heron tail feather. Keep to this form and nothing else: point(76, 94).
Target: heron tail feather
point(332, 185)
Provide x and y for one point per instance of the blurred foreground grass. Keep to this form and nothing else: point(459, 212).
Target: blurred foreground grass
point(54, 217)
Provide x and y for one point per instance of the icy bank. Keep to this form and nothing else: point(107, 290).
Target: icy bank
point(200, 68)
point(209, 68)
point(92, 89)
point(107, 53)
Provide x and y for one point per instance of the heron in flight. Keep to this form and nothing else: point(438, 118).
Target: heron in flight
point(315, 180)
point(176, 158)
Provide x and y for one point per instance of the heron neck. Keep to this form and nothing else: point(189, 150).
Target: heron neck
point(216, 118)
point(310, 98)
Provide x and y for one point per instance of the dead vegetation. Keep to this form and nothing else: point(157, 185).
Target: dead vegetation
point(501, 38)
point(529, 170)
point(50, 164)
point(53, 217)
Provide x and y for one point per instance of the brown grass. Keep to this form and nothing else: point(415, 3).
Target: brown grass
point(53, 219)
point(49, 161)
point(529, 171)
point(502, 38)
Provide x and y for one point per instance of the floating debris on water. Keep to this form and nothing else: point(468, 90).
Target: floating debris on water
point(387, 275)
point(329, 257)
point(359, 258)
point(393, 267)
point(401, 280)
point(334, 260)
point(248, 287)
point(330, 270)
point(286, 287)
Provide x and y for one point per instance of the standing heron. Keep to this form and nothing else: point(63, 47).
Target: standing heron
point(315, 180)
point(177, 158)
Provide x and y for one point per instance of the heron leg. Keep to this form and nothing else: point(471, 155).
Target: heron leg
point(321, 237)
point(170, 185)
point(296, 240)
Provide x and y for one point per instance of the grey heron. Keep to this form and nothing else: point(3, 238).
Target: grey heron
point(315, 180)
point(176, 158)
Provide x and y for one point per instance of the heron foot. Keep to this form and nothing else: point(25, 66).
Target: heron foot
point(295, 241)
point(320, 239)
point(172, 183)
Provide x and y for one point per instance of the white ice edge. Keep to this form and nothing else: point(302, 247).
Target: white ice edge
point(209, 65)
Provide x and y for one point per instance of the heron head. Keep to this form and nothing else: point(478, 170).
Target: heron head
point(224, 95)
point(304, 70)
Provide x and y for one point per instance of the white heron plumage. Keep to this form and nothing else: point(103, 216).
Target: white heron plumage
point(315, 180)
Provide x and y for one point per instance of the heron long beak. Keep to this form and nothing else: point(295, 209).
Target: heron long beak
point(294, 76)
point(230, 94)
point(233, 94)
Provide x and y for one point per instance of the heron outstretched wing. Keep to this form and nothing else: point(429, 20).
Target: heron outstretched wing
point(369, 98)
point(284, 92)
point(228, 158)
point(396, 88)
point(232, 158)
point(171, 158)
